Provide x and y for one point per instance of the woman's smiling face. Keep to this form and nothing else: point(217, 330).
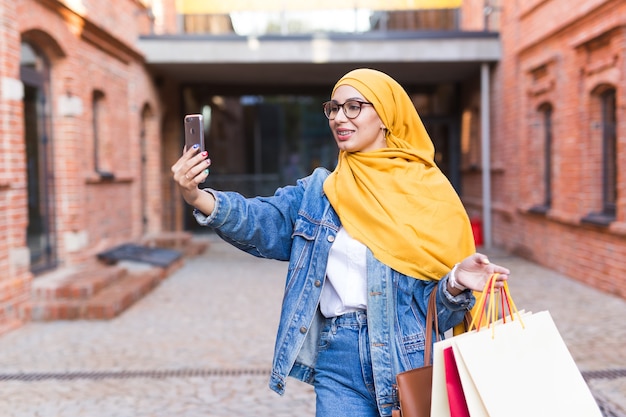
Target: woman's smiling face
point(365, 132)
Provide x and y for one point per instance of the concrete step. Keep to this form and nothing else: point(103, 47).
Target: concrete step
point(97, 290)
point(80, 282)
point(107, 303)
point(114, 299)
point(181, 241)
point(49, 310)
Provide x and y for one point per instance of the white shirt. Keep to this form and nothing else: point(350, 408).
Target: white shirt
point(345, 289)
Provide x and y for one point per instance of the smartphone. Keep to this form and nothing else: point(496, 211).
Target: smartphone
point(194, 131)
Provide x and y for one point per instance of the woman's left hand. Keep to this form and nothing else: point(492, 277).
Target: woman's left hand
point(475, 270)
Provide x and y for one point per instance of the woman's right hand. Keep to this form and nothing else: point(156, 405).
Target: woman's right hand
point(191, 169)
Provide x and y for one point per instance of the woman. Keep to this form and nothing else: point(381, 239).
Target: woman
point(366, 245)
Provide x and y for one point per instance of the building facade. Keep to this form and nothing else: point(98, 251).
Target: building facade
point(524, 100)
point(80, 147)
point(559, 138)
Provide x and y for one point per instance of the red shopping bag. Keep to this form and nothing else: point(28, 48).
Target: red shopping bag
point(456, 396)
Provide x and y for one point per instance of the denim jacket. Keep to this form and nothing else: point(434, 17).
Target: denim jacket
point(298, 224)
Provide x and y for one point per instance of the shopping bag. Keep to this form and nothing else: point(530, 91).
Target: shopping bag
point(519, 367)
point(456, 397)
point(440, 403)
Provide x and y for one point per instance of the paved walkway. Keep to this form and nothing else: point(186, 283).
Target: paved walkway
point(201, 345)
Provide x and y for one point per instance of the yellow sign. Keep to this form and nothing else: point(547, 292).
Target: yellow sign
point(231, 6)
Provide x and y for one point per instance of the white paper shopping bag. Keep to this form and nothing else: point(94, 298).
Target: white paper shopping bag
point(439, 401)
point(521, 371)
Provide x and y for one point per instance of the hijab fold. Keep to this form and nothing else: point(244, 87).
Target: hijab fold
point(395, 200)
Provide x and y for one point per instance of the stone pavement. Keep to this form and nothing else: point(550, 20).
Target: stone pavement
point(201, 345)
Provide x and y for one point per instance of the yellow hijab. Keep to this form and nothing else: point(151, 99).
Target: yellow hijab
point(395, 200)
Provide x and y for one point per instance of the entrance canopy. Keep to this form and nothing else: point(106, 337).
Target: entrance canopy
point(318, 60)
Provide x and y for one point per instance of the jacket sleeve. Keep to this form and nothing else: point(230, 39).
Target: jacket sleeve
point(261, 226)
point(451, 309)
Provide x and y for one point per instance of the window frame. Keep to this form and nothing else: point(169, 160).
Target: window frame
point(609, 151)
point(545, 113)
point(97, 108)
point(607, 114)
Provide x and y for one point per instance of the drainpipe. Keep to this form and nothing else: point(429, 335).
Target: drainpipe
point(485, 153)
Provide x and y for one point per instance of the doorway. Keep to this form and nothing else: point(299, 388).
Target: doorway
point(259, 142)
point(40, 233)
point(444, 133)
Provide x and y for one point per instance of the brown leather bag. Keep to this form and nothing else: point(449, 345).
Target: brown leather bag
point(414, 387)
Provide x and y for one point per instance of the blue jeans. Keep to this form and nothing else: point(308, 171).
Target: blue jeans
point(344, 385)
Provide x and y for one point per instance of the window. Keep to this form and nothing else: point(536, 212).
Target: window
point(546, 119)
point(545, 124)
point(98, 109)
point(607, 134)
point(609, 152)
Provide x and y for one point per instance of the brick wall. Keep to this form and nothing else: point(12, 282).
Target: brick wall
point(559, 53)
point(90, 47)
point(472, 15)
point(15, 275)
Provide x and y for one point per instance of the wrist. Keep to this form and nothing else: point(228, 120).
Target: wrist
point(203, 201)
point(452, 280)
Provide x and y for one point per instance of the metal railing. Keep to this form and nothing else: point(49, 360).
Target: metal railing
point(260, 23)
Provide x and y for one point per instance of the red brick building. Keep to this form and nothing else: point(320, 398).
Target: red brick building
point(89, 128)
point(559, 138)
point(80, 138)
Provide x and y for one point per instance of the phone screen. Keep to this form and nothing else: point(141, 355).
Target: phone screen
point(194, 131)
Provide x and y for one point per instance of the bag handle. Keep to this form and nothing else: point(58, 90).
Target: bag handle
point(494, 303)
point(431, 317)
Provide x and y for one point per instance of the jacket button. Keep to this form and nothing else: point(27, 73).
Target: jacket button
point(279, 385)
point(317, 283)
point(303, 330)
point(331, 238)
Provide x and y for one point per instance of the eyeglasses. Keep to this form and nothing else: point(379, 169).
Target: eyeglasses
point(351, 108)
